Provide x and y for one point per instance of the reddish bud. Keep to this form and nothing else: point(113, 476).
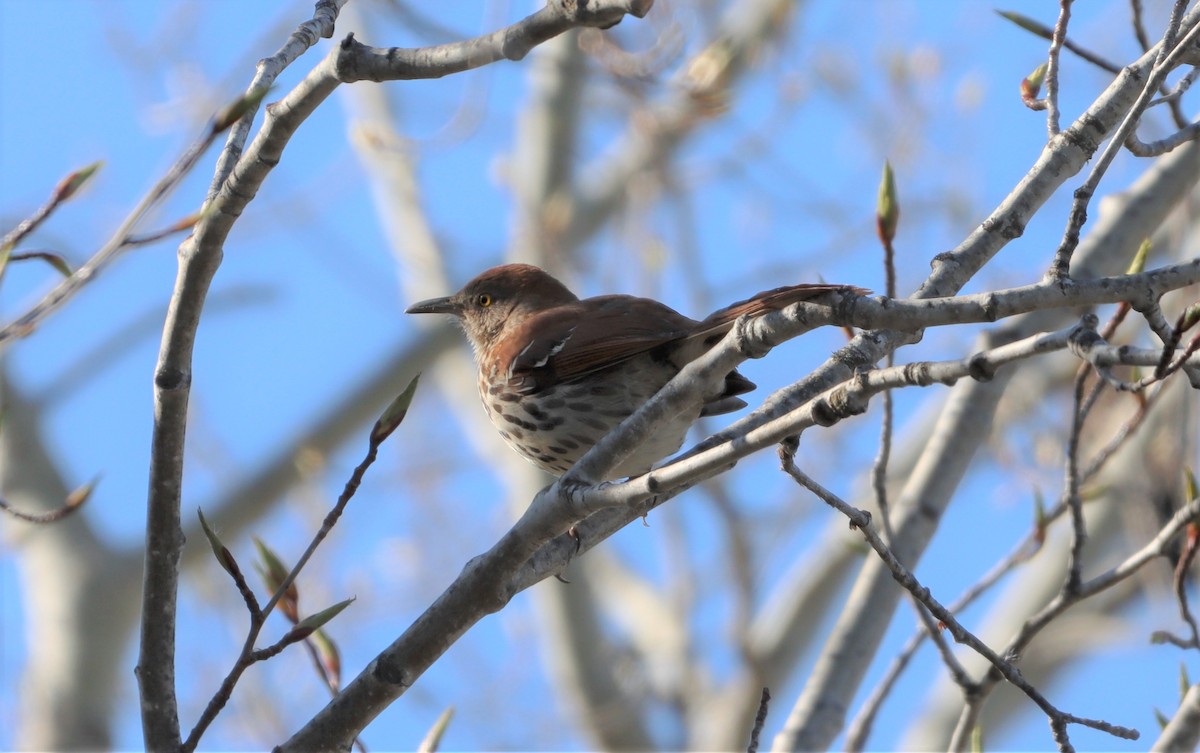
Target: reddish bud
point(71, 184)
point(331, 661)
point(1031, 85)
point(274, 573)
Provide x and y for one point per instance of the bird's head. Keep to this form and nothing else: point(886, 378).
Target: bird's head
point(498, 300)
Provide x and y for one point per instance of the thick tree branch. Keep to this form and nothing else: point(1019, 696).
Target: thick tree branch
point(199, 258)
point(1183, 731)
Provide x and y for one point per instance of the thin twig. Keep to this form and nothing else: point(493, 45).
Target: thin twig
point(1071, 481)
point(1052, 67)
point(1139, 25)
point(25, 324)
point(760, 720)
point(1178, 90)
point(249, 655)
point(1166, 144)
point(1152, 550)
point(73, 502)
point(1181, 581)
point(887, 217)
point(860, 729)
point(66, 188)
point(1023, 551)
point(1139, 31)
point(157, 235)
point(1167, 56)
point(861, 521)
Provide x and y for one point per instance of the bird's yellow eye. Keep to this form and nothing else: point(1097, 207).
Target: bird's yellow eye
point(484, 300)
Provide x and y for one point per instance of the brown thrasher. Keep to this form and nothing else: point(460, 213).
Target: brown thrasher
point(557, 373)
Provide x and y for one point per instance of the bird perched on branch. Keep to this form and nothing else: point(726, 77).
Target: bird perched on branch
point(557, 373)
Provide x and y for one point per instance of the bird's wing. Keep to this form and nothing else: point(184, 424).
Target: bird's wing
point(581, 337)
point(576, 339)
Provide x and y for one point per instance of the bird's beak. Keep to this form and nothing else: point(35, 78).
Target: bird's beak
point(445, 305)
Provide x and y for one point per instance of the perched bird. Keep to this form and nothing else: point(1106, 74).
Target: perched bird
point(557, 373)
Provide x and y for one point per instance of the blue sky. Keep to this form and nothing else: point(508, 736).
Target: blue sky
point(307, 302)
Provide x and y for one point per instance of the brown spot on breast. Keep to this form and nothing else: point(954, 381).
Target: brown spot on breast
point(533, 410)
point(519, 422)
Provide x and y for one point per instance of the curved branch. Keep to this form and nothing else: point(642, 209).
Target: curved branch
point(360, 62)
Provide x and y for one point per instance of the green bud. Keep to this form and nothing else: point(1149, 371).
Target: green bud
point(433, 738)
point(1031, 85)
point(220, 551)
point(1027, 23)
point(274, 573)
point(394, 414)
point(887, 209)
point(233, 112)
point(1139, 259)
point(71, 184)
point(313, 622)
